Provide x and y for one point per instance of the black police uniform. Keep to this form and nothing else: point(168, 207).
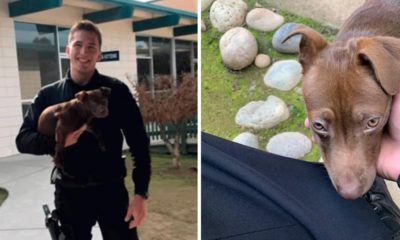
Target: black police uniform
point(92, 187)
point(251, 194)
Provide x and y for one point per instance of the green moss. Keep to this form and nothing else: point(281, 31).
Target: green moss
point(225, 91)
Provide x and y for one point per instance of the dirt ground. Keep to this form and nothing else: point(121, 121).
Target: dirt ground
point(172, 215)
point(172, 202)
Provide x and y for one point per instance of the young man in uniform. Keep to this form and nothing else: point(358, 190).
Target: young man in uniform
point(90, 184)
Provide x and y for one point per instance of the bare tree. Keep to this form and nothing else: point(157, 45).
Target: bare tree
point(169, 105)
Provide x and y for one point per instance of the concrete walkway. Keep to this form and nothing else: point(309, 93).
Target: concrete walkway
point(27, 180)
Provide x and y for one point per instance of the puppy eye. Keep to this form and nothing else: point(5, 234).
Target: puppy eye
point(373, 122)
point(317, 125)
point(320, 128)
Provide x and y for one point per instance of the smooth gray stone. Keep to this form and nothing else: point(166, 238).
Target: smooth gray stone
point(291, 45)
point(290, 144)
point(284, 75)
point(248, 139)
point(263, 20)
point(262, 114)
point(238, 48)
point(226, 14)
point(205, 4)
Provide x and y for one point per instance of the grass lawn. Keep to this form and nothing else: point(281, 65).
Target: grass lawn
point(3, 195)
point(224, 91)
point(173, 199)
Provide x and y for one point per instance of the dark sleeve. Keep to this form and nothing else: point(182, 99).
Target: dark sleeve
point(137, 140)
point(28, 139)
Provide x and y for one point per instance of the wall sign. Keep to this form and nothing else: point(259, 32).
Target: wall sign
point(109, 56)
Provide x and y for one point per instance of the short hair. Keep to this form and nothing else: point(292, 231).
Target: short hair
point(85, 25)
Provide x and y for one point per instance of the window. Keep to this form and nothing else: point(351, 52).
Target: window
point(183, 57)
point(162, 56)
point(37, 54)
point(63, 41)
point(195, 57)
point(39, 59)
point(144, 63)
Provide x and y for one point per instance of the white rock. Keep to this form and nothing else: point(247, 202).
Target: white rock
point(205, 4)
point(247, 139)
point(238, 48)
point(257, 5)
point(226, 14)
point(262, 60)
point(262, 114)
point(283, 75)
point(203, 26)
point(290, 144)
point(263, 19)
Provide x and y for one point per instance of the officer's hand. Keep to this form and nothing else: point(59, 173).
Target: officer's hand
point(73, 137)
point(388, 164)
point(137, 209)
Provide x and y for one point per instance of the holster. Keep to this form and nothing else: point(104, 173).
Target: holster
point(52, 224)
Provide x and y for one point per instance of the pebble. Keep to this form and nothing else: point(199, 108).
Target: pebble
point(262, 61)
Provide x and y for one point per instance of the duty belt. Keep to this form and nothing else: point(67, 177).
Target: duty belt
point(65, 180)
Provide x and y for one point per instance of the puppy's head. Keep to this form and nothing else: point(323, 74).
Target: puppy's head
point(348, 88)
point(96, 101)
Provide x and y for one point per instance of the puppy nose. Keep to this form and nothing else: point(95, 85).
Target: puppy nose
point(350, 190)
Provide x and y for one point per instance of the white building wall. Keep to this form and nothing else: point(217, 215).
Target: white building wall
point(118, 35)
point(10, 95)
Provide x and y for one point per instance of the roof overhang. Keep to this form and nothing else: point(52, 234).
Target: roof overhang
point(157, 16)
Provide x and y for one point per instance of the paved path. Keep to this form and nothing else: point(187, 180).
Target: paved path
point(27, 180)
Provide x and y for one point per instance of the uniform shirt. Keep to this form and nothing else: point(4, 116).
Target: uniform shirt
point(85, 160)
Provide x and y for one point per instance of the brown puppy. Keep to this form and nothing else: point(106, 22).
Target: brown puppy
point(64, 118)
point(348, 88)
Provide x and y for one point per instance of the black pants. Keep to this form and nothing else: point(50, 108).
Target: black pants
point(254, 195)
point(80, 207)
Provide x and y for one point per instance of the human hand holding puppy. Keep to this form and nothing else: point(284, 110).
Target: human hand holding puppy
point(388, 164)
point(73, 137)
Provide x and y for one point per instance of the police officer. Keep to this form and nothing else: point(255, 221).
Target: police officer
point(90, 184)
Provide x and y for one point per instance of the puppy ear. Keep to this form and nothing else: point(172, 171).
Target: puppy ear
point(106, 91)
point(382, 56)
point(81, 95)
point(311, 44)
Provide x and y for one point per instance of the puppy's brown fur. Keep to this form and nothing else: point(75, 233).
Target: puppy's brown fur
point(64, 118)
point(348, 88)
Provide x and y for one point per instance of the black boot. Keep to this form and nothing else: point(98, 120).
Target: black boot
point(381, 201)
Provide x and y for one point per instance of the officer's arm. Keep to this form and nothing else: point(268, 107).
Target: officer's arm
point(28, 139)
point(137, 140)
